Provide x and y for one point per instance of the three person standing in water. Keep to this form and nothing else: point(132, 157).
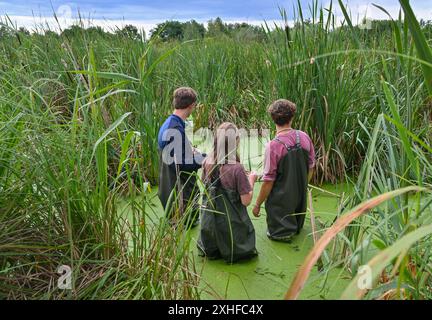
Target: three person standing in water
point(226, 229)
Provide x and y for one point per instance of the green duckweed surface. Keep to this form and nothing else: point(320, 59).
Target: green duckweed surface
point(269, 275)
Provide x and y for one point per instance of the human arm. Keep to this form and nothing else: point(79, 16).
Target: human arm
point(311, 159)
point(246, 199)
point(265, 190)
point(269, 176)
point(190, 159)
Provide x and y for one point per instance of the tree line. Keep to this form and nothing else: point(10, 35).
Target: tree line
point(165, 31)
point(175, 30)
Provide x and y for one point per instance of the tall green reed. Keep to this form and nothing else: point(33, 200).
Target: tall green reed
point(68, 156)
point(398, 155)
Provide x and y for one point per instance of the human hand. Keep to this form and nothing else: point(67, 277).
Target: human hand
point(253, 176)
point(256, 211)
point(196, 150)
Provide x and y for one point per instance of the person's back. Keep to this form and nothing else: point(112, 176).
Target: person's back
point(226, 229)
point(178, 161)
point(289, 159)
point(286, 202)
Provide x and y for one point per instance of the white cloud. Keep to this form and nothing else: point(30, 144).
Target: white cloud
point(360, 9)
point(147, 18)
point(40, 23)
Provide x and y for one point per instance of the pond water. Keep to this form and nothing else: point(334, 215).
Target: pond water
point(269, 275)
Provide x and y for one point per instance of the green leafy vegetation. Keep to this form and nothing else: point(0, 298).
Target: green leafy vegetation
point(80, 112)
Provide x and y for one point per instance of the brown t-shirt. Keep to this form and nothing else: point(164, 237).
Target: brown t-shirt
point(233, 177)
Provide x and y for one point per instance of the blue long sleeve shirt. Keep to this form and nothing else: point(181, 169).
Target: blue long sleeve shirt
point(173, 132)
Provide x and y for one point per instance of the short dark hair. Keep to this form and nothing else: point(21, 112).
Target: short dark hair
point(183, 97)
point(282, 111)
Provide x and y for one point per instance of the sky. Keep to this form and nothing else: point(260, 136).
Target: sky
point(146, 14)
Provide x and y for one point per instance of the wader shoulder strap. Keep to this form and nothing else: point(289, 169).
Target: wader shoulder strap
point(214, 176)
point(297, 145)
point(283, 143)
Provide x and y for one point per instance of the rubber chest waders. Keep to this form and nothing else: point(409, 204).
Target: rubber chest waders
point(286, 204)
point(226, 229)
point(178, 192)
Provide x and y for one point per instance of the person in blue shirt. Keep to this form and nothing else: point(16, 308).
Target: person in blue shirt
point(178, 162)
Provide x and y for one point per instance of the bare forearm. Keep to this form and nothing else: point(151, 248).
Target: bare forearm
point(246, 199)
point(266, 188)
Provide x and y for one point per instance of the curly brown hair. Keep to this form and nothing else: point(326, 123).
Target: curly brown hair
point(282, 111)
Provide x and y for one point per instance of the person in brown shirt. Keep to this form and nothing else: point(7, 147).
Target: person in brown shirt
point(226, 228)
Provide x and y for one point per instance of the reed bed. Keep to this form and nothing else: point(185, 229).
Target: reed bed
point(79, 116)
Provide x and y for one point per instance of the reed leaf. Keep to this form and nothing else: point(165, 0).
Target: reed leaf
point(382, 260)
point(343, 221)
point(423, 50)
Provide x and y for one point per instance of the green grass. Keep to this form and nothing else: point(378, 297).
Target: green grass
point(79, 116)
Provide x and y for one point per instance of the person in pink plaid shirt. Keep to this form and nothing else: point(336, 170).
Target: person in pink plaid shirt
point(288, 166)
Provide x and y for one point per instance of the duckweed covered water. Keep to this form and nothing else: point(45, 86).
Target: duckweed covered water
point(269, 275)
